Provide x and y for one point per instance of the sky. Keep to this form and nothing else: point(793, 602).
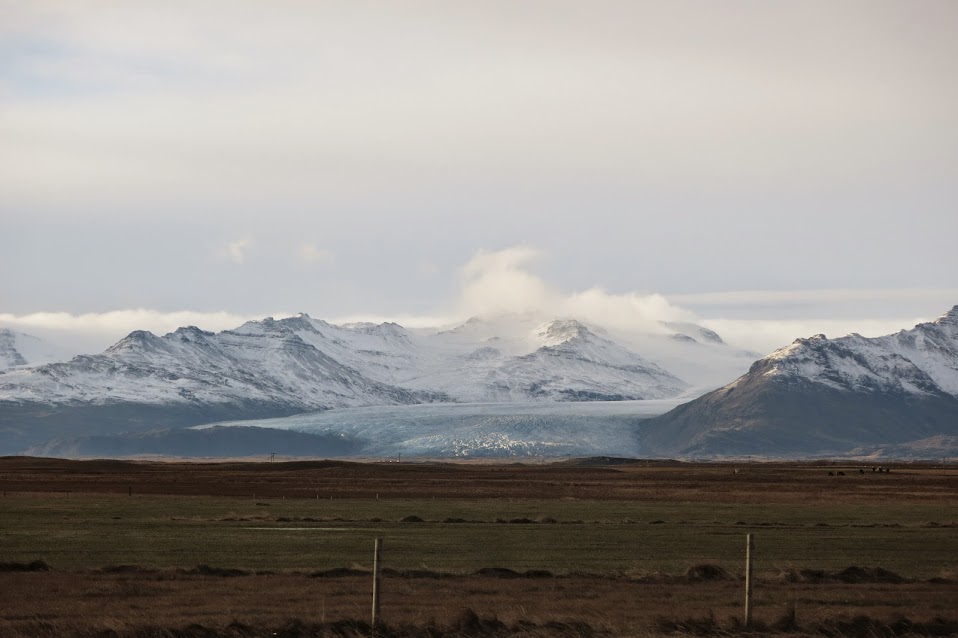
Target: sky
point(769, 169)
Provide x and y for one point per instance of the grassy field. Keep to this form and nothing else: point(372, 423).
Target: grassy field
point(611, 546)
point(92, 531)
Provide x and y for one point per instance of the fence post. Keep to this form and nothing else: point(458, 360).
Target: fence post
point(749, 548)
point(377, 580)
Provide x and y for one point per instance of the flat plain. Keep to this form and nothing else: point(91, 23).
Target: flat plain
point(616, 548)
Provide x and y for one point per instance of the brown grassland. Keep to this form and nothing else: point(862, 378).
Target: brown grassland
point(471, 549)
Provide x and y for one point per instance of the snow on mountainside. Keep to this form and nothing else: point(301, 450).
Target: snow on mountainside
point(18, 349)
point(278, 367)
point(306, 363)
point(820, 396)
point(923, 360)
point(269, 364)
point(560, 360)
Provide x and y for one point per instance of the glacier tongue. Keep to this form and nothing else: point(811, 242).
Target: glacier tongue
point(479, 430)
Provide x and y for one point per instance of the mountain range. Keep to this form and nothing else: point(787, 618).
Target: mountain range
point(366, 389)
point(279, 367)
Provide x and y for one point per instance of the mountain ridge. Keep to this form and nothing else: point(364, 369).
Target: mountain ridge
point(818, 395)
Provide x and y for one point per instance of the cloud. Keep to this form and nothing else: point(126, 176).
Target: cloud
point(427, 268)
point(764, 336)
point(236, 250)
point(806, 297)
point(311, 254)
point(316, 95)
point(500, 282)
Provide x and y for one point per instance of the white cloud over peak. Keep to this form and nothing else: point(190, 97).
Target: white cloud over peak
point(500, 282)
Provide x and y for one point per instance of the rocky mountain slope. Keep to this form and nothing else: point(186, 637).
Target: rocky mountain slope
point(821, 396)
point(299, 364)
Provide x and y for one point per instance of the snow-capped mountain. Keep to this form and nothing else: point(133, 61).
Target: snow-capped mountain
point(18, 349)
point(821, 395)
point(310, 364)
point(267, 362)
point(278, 367)
point(484, 361)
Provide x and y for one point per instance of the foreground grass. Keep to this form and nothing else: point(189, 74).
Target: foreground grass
point(470, 625)
point(84, 531)
point(166, 604)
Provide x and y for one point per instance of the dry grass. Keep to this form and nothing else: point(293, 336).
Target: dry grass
point(127, 601)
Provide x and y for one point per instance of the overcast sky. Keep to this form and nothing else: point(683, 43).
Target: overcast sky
point(773, 169)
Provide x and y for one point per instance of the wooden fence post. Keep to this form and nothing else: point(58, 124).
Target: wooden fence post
point(377, 580)
point(749, 548)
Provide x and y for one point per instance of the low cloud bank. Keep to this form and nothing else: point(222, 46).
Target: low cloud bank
point(501, 282)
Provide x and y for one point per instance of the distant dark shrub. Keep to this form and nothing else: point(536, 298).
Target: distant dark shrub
point(32, 566)
point(855, 574)
point(850, 575)
point(337, 572)
point(128, 569)
point(706, 571)
point(498, 572)
point(206, 570)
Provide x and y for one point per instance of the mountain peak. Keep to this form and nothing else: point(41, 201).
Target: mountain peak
point(950, 318)
point(561, 331)
point(692, 332)
point(135, 340)
point(302, 321)
point(191, 331)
